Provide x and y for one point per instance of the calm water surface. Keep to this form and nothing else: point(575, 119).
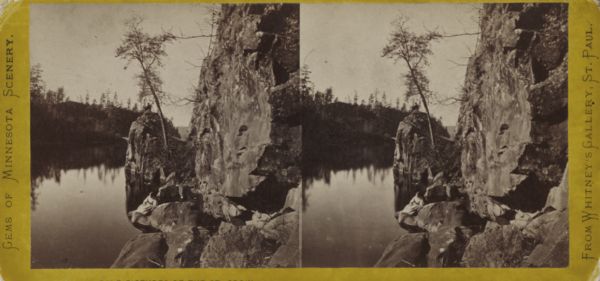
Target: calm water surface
point(348, 210)
point(78, 207)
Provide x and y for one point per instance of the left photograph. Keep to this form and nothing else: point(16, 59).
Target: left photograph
point(165, 135)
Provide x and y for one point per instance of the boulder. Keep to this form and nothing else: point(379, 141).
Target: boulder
point(551, 230)
point(407, 250)
point(237, 246)
point(539, 227)
point(447, 245)
point(146, 250)
point(185, 245)
point(281, 227)
point(497, 246)
point(288, 254)
point(167, 216)
point(445, 213)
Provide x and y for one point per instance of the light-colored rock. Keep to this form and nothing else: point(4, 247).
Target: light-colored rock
point(496, 246)
point(238, 247)
point(513, 120)
point(558, 197)
point(407, 250)
point(242, 124)
point(146, 250)
point(551, 230)
point(446, 213)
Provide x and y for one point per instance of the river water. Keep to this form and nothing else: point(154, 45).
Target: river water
point(348, 209)
point(78, 217)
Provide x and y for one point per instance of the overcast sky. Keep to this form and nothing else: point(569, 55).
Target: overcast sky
point(342, 43)
point(75, 44)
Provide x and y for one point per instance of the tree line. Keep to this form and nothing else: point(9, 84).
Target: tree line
point(58, 120)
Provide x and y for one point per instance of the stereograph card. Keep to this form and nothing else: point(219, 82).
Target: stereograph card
point(188, 140)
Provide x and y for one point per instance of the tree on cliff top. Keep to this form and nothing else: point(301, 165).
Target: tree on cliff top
point(413, 50)
point(148, 52)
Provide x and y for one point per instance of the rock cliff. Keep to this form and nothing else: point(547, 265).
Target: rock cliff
point(227, 194)
point(507, 207)
point(513, 125)
point(245, 126)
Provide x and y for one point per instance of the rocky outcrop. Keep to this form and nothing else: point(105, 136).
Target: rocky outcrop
point(415, 161)
point(496, 246)
point(237, 246)
point(146, 160)
point(550, 232)
point(226, 195)
point(513, 124)
point(508, 205)
point(245, 124)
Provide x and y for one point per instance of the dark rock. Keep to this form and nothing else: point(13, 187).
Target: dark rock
point(442, 214)
point(513, 120)
point(496, 246)
point(447, 246)
point(146, 250)
point(147, 162)
point(414, 158)
point(146, 159)
point(407, 250)
point(237, 246)
point(185, 245)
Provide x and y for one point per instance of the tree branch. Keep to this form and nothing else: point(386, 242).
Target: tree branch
point(461, 34)
point(193, 36)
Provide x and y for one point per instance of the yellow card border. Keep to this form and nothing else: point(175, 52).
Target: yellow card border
point(15, 192)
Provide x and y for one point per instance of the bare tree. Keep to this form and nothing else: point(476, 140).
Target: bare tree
point(413, 50)
point(147, 51)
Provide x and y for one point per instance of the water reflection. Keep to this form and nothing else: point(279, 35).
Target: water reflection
point(78, 207)
point(348, 208)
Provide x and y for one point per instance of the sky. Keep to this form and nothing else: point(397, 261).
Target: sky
point(75, 46)
point(342, 43)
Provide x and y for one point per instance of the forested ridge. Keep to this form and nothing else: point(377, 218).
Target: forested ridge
point(57, 120)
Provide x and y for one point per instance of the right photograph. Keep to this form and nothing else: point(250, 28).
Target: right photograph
point(434, 135)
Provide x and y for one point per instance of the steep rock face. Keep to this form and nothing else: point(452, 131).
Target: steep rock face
point(239, 161)
point(512, 135)
point(245, 129)
point(513, 124)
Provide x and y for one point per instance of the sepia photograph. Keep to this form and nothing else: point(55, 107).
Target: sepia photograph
point(165, 135)
point(299, 135)
point(435, 135)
